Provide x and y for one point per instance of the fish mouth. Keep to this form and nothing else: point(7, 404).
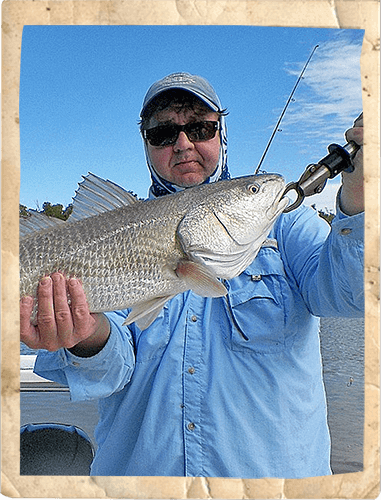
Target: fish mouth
point(280, 203)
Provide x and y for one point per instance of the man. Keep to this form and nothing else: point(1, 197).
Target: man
point(214, 387)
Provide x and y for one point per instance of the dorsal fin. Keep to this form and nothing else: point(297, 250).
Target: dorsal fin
point(93, 197)
point(96, 195)
point(37, 221)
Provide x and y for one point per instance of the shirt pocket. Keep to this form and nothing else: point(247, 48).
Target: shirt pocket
point(256, 306)
point(151, 342)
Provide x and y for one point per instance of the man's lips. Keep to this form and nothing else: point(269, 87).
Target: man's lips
point(187, 164)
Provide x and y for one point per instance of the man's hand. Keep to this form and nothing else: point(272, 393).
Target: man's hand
point(352, 192)
point(60, 324)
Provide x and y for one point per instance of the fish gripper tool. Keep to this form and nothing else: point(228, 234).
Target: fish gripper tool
point(314, 178)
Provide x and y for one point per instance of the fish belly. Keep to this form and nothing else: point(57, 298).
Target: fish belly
point(117, 265)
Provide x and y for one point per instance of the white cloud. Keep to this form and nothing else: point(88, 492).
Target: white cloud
point(326, 200)
point(328, 98)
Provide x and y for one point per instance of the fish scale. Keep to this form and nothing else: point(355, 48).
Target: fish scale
point(141, 254)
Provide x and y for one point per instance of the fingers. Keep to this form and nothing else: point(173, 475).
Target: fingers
point(73, 322)
point(45, 316)
point(58, 323)
point(28, 332)
point(359, 122)
point(63, 322)
point(43, 335)
point(352, 193)
point(83, 322)
point(356, 134)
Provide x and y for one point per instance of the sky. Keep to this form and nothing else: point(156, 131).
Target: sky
point(81, 90)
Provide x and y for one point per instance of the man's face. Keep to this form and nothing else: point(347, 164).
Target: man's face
point(185, 163)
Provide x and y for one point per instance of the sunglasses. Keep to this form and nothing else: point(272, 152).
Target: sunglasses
point(167, 135)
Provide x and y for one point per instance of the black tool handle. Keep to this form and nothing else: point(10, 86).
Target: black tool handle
point(339, 158)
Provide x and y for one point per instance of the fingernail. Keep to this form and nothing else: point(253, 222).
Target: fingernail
point(73, 282)
point(56, 277)
point(26, 300)
point(45, 281)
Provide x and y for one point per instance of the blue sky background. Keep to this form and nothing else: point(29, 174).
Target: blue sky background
point(81, 90)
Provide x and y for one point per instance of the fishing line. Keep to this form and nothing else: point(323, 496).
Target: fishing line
point(313, 179)
point(284, 110)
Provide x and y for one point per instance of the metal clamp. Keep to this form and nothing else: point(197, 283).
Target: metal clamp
point(314, 178)
point(294, 186)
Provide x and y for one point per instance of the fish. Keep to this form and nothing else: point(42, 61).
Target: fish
point(137, 254)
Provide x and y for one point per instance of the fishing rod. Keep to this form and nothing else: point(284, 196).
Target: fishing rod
point(284, 110)
point(314, 178)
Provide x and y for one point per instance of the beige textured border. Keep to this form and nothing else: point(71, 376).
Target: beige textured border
point(308, 13)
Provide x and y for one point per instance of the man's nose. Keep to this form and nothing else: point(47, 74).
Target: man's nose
point(182, 142)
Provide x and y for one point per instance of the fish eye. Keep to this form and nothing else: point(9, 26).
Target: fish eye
point(254, 188)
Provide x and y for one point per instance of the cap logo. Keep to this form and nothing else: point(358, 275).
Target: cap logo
point(182, 78)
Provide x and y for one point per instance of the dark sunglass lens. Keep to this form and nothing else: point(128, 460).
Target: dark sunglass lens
point(201, 131)
point(162, 135)
point(166, 135)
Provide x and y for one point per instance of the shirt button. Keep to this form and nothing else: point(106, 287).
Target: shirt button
point(346, 230)
point(256, 277)
point(194, 318)
point(191, 370)
point(191, 426)
point(75, 363)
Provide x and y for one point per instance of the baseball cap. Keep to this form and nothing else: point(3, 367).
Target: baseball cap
point(196, 85)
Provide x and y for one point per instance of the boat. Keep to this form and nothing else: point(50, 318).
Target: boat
point(51, 441)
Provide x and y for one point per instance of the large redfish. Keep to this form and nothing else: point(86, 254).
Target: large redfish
point(130, 253)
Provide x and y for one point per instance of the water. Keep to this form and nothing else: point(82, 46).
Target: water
point(342, 346)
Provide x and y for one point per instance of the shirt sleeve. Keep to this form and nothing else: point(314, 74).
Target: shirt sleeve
point(326, 262)
point(98, 376)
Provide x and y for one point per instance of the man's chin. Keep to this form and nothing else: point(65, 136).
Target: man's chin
point(191, 180)
point(191, 184)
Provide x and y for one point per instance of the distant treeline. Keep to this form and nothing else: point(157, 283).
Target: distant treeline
point(61, 213)
point(324, 215)
point(57, 210)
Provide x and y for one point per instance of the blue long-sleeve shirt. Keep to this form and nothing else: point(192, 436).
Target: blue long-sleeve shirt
point(227, 386)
